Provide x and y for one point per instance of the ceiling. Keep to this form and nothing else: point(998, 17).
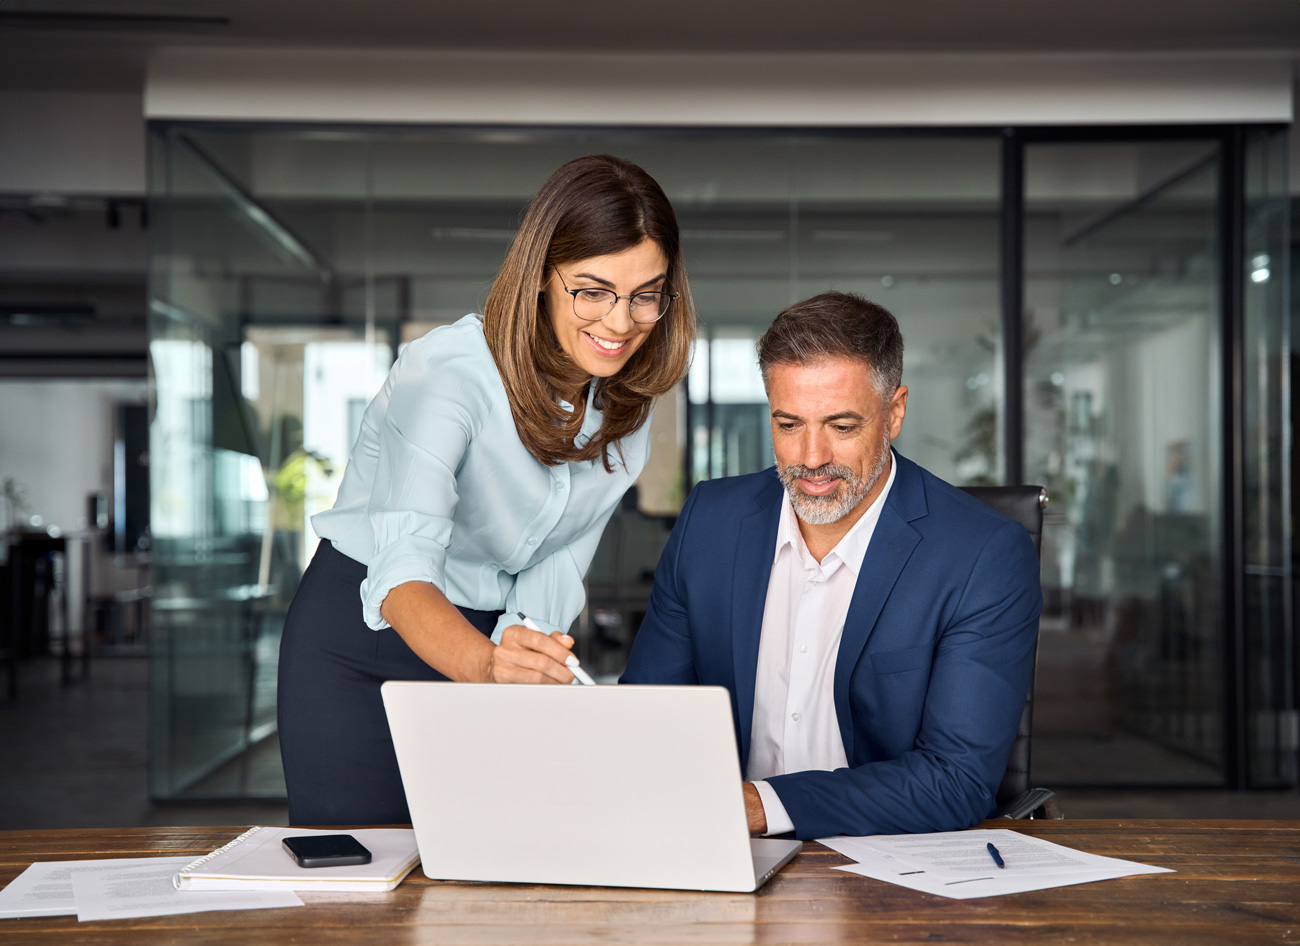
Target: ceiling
point(105, 44)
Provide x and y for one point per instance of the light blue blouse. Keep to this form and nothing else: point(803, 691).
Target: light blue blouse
point(441, 489)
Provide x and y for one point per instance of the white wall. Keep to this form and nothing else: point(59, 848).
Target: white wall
point(56, 441)
point(717, 89)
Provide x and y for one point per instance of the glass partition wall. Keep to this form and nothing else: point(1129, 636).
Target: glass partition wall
point(291, 264)
point(1157, 413)
point(1123, 387)
point(259, 345)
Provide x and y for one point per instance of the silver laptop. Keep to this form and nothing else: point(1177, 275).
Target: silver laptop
point(612, 786)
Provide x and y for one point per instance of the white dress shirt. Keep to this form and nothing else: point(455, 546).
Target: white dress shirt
point(795, 727)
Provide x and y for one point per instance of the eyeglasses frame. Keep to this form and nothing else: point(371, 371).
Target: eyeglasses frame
point(672, 297)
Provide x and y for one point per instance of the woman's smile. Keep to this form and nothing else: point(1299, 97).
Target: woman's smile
point(608, 347)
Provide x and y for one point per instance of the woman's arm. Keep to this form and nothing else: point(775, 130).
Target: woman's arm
point(440, 636)
point(438, 403)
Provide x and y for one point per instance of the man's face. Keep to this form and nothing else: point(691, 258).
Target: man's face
point(830, 432)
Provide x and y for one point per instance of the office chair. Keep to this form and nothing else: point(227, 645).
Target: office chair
point(1015, 799)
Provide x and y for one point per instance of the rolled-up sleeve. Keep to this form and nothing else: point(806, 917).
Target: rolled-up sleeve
point(434, 411)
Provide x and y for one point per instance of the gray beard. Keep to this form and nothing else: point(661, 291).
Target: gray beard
point(823, 510)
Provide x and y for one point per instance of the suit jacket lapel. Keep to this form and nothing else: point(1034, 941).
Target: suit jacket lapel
point(890, 548)
point(755, 546)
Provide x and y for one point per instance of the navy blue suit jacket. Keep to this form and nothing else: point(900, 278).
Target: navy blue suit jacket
point(934, 663)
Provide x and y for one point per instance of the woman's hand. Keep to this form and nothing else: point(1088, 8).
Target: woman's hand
point(433, 628)
point(528, 656)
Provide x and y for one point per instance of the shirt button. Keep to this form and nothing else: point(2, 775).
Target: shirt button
point(803, 648)
point(532, 541)
point(795, 717)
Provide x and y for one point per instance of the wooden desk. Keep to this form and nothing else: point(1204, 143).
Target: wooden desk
point(1237, 882)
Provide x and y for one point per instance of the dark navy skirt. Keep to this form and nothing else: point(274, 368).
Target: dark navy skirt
point(339, 764)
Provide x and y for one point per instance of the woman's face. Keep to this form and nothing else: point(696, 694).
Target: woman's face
point(602, 348)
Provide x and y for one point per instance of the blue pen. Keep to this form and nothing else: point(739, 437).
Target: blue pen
point(997, 858)
point(572, 663)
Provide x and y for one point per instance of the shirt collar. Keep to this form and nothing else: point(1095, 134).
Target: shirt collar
point(851, 549)
point(591, 420)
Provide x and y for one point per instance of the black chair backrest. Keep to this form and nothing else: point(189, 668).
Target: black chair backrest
point(1025, 505)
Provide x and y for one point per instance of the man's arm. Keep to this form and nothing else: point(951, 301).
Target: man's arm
point(977, 681)
point(754, 810)
point(661, 652)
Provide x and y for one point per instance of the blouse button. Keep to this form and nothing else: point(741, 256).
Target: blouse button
point(532, 541)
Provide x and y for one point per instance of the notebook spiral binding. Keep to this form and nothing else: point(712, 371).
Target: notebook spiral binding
point(195, 864)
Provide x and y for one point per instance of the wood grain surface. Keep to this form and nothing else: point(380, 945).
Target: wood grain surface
point(1236, 882)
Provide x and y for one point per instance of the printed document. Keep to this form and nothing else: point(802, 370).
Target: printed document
point(146, 889)
point(958, 864)
point(117, 888)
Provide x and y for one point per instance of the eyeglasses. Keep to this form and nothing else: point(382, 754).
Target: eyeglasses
point(592, 305)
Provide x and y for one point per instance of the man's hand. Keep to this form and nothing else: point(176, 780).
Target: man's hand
point(754, 810)
point(528, 656)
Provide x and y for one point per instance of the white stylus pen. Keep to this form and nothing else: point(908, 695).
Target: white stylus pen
point(572, 663)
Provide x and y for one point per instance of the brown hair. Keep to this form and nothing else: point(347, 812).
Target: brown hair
point(592, 206)
point(836, 323)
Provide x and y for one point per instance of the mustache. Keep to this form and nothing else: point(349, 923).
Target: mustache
point(798, 471)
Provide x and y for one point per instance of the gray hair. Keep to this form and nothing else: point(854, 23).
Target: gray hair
point(836, 324)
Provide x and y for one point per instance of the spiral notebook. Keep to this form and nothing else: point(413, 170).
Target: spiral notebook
point(257, 861)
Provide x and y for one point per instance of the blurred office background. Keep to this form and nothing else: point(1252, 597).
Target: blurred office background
point(221, 221)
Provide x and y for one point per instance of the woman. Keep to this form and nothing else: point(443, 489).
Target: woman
point(484, 473)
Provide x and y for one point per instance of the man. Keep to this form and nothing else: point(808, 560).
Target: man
point(874, 625)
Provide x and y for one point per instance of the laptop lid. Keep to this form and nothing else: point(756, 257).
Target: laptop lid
point(621, 786)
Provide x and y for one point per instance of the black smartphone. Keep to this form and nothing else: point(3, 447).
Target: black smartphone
point(326, 850)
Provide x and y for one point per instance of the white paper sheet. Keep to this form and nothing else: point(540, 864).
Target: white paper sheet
point(121, 887)
point(143, 887)
point(44, 889)
point(957, 864)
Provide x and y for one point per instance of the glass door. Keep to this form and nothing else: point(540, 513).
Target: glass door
point(1123, 416)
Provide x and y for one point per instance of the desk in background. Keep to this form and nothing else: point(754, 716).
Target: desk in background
point(29, 590)
point(1237, 882)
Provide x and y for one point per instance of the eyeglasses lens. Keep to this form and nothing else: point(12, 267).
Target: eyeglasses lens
point(593, 305)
